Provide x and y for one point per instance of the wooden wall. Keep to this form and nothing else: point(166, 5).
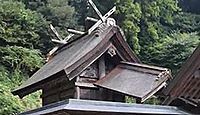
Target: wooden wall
point(82, 86)
point(57, 90)
point(84, 83)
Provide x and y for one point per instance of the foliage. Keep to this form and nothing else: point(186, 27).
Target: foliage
point(191, 6)
point(157, 30)
point(11, 104)
point(21, 27)
point(129, 14)
point(19, 58)
point(186, 22)
point(57, 12)
point(21, 33)
point(174, 50)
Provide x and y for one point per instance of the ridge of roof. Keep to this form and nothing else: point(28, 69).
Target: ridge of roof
point(97, 31)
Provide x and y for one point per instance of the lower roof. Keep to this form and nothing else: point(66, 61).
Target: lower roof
point(137, 80)
point(85, 107)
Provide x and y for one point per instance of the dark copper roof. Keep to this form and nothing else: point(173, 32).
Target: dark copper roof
point(74, 57)
point(137, 80)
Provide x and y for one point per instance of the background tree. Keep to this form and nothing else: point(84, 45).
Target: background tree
point(159, 31)
point(58, 12)
point(23, 35)
point(24, 40)
point(148, 25)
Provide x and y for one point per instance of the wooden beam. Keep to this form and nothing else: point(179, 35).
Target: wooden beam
point(82, 84)
point(91, 19)
point(103, 20)
point(55, 32)
point(68, 37)
point(95, 9)
point(59, 41)
point(77, 96)
point(102, 67)
point(75, 31)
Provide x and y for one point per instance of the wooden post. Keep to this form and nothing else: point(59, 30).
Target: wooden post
point(77, 95)
point(102, 73)
point(102, 67)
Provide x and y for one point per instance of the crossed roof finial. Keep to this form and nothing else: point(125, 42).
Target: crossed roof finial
point(72, 32)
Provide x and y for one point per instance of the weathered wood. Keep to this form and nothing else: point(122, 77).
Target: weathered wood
point(91, 19)
point(59, 41)
point(102, 67)
point(86, 85)
point(57, 89)
point(66, 94)
point(100, 21)
point(96, 9)
point(59, 84)
point(90, 93)
point(77, 94)
point(90, 72)
point(55, 32)
point(75, 31)
point(50, 99)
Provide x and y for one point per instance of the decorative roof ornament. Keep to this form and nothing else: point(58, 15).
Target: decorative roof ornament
point(103, 19)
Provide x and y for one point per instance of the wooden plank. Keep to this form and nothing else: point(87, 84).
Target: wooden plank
point(65, 94)
point(50, 99)
point(86, 85)
point(90, 93)
point(123, 47)
point(191, 88)
point(59, 41)
point(179, 82)
point(96, 9)
point(194, 95)
point(75, 31)
point(91, 19)
point(100, 21)
point(87, 62)
point(102, 67)
point(77, 94)
point(56, 89)
point(187, 89)
point(55, 32)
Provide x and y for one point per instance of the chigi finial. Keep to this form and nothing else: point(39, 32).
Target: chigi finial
point(103, 19)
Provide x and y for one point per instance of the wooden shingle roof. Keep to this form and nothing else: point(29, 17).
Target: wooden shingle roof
point(138, 80)
point(77, 55)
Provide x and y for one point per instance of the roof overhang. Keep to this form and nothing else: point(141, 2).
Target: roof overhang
point(85, 107)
